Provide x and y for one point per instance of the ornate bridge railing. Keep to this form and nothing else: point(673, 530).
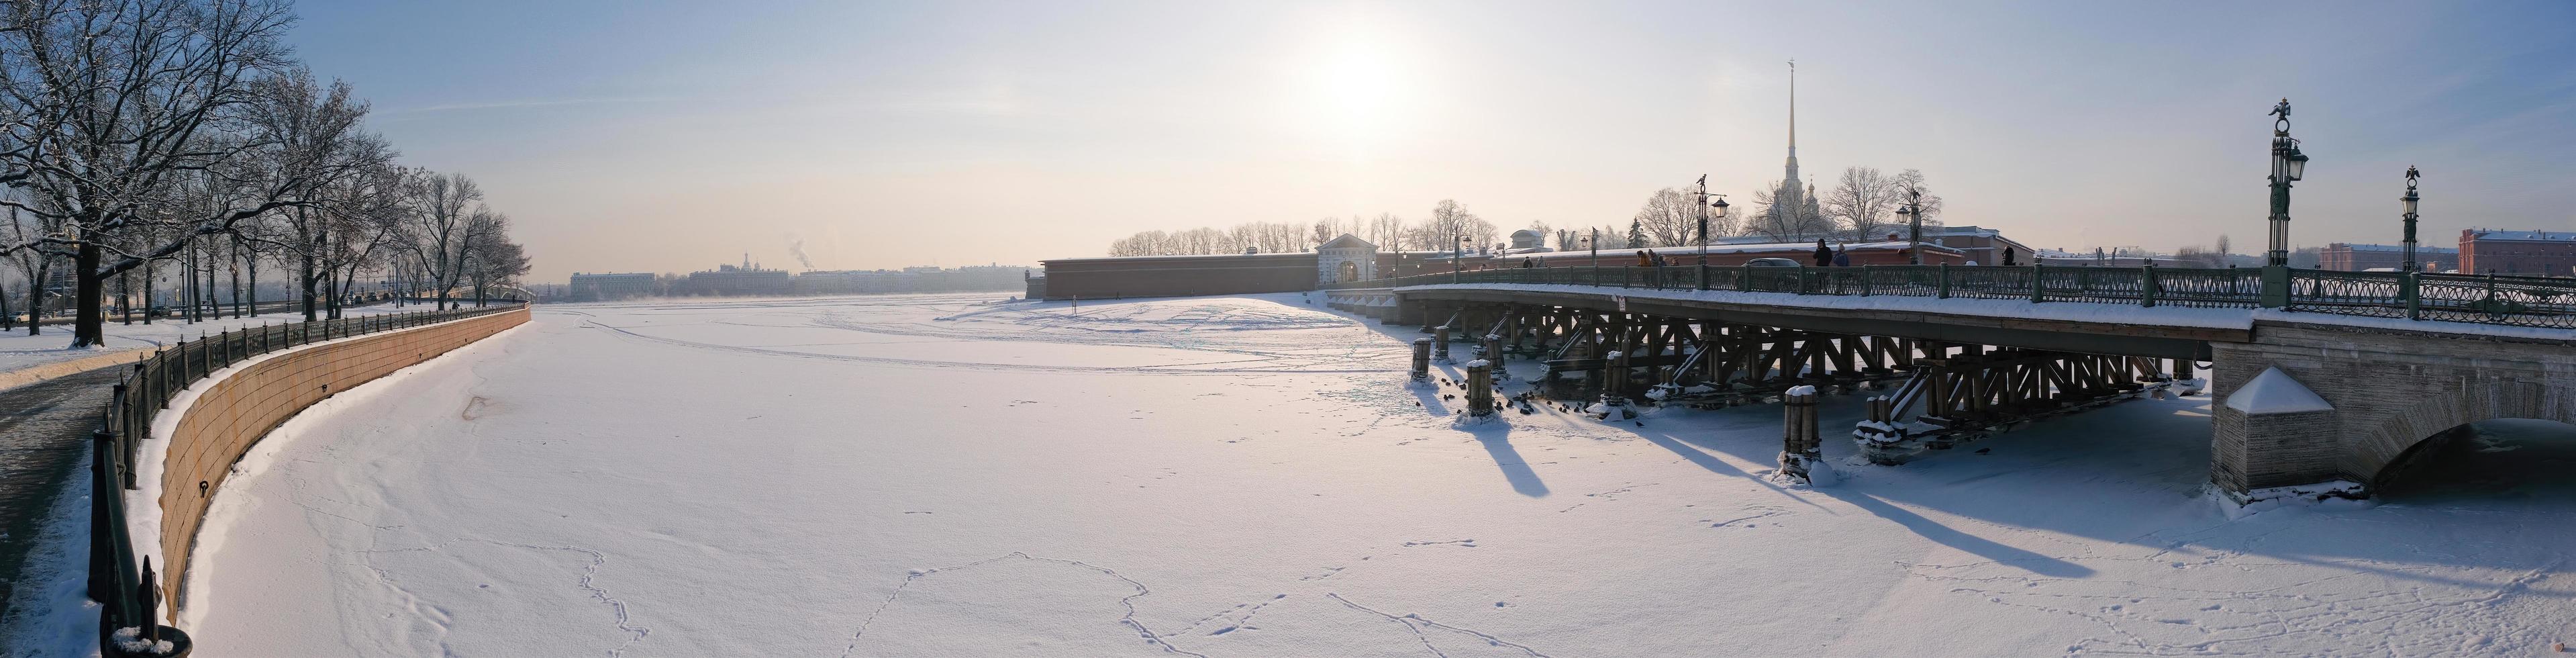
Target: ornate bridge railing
point(2519, 301)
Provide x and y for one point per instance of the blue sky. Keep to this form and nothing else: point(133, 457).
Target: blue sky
point(669, 137)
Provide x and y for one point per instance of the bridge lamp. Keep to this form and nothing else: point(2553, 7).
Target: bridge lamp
point(1914, 252)
point(2409, 202)
point(2288, 164)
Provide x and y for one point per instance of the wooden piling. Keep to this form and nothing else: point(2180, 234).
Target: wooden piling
point(1440, 343)
point(1480, 388)
point(1421, 359)
point(1801, 447)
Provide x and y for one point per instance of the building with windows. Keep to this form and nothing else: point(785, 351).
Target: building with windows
point(2347, 257)
point(728, 280)
point(1346, 258)
point(603, 286)
point(2523, 253)
point(1981, 245)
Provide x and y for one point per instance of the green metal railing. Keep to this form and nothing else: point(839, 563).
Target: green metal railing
point(140, 397)
point(2518, 301)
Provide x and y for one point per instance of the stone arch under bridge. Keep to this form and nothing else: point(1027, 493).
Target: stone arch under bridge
point(2390, 391)
point(2475, 401)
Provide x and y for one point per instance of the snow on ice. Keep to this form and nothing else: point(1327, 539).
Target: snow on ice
point(954, 475)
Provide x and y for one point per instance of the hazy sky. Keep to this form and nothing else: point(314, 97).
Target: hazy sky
point(628, 136)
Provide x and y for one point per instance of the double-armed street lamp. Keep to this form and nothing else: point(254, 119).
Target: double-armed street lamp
point(2288, 165)
point(1704, 217)
point(1912, 214)
point(2409, 201)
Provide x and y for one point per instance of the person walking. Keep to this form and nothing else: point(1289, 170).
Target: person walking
point(1824, 254)
point(1842, 258)
point(2008, 257)
point(1643, 260)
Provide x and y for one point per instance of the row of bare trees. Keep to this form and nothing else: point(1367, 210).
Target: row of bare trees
point(184, 135)
point(1860, 207)
point(1449, 225)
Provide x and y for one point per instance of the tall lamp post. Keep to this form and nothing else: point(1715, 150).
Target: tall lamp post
point(1912, 214)
point(1458, 259)
point(1704, 217)
point(2288, 165)
point(2409, 201)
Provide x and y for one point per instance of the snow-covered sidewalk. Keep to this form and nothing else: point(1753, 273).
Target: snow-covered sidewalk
point(1253, 476)
point(20, 351)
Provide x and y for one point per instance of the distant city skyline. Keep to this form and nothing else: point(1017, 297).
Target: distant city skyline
point(671, 138)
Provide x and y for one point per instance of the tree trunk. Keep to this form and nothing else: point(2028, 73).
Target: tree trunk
point(89, 326)
point(252, 264)
point(125, 294)
point(232, 261)
point(36, 298)
point(150, 286)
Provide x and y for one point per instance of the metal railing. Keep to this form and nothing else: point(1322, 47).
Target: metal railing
point(143, 394)
point(2488, 299)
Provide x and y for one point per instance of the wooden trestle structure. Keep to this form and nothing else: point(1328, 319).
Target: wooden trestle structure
point(1963, 390)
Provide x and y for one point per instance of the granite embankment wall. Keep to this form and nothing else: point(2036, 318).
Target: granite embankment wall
point(232, 414)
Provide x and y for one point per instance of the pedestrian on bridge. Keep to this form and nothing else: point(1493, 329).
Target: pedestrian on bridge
point(1842, 258)
point(1824, 254)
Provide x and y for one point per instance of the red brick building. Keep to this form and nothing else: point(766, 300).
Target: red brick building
point(2348, 257)
point(2525, 253)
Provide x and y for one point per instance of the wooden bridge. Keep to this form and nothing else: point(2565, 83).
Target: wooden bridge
point(2389, 360)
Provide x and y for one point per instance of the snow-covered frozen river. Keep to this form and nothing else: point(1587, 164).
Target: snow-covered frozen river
point(955, 475)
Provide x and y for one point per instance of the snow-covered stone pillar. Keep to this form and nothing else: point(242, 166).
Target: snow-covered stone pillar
point(1440, 343)
point(2272, 431)
point(1421, 359)
point(1480, 388)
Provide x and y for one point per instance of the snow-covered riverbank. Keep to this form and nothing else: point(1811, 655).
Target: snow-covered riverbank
point(953, 475)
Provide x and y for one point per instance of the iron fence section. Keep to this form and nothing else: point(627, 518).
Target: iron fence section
point(2504, 300)
point(140, 397)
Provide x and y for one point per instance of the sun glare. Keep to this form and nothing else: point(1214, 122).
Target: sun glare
point(1358, 93)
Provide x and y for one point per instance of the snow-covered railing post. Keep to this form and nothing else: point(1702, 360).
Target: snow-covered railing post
point(1421, 359)
point(1800, 447)
point(1440, 343)
point(1480, 388)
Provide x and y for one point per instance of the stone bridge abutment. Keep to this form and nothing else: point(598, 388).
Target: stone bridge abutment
point(2389, 389)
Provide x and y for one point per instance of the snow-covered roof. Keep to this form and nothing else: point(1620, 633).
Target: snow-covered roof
point(1347, 240)
point(2274, 392)
point(2524, 236)
point(2393, 247)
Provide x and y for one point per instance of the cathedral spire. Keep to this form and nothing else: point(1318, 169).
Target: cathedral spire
point(1793, 121)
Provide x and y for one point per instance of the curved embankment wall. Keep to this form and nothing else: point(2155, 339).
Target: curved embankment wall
point(232, 414)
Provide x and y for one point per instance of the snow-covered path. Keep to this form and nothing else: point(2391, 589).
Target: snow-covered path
point(948, 475)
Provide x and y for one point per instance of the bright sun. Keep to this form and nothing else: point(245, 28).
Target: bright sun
point(1360, 91)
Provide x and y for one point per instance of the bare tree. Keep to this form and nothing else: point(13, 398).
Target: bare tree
point(1929, 204)
point(1669, 218)
point(1862, 201)
point(1791, 223)
point(107, 101)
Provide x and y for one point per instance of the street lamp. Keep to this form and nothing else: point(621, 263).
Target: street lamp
point(2288, 165)
point(1912, 214)
point(1458, 259)
point(1704, 217)
point(2409, 201)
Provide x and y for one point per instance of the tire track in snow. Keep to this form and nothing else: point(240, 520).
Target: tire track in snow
point(1129, 601)
point(1410, 620)
point(968, 365)
point(588, 574)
